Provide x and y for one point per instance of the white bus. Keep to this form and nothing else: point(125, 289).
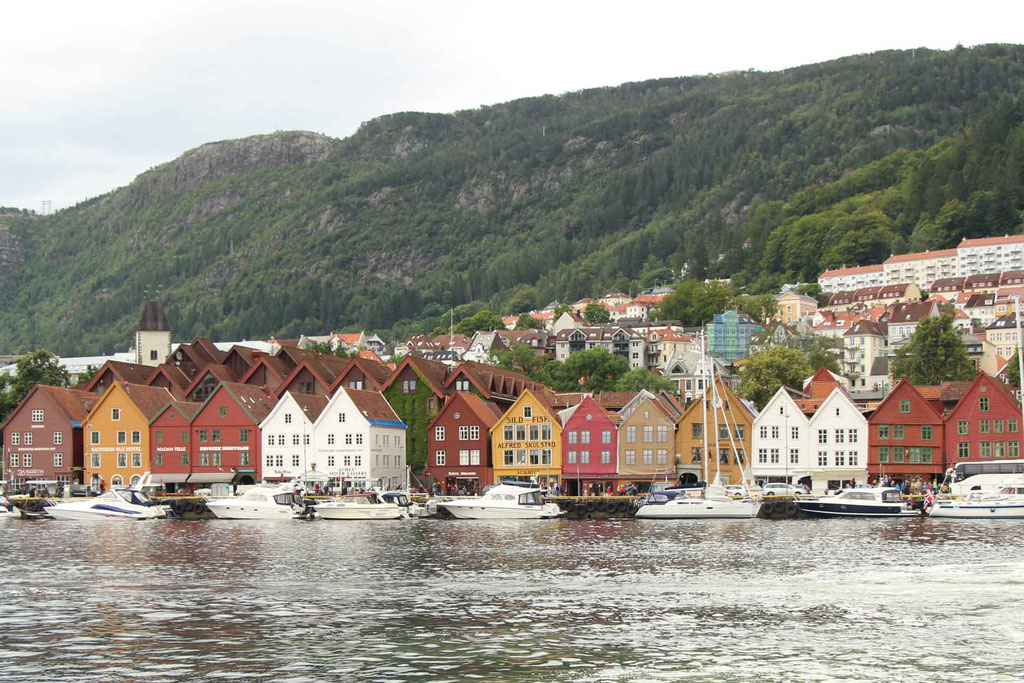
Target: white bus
point(983, 476)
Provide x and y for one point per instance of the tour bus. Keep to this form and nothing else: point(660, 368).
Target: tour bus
point(968, 476)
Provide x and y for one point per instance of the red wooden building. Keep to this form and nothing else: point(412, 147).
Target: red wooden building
point(906, 435)
point(170, 445)
point(459, 444)
point(985, 424)
point(589, 446)
point(42, 437)
point(225, 435)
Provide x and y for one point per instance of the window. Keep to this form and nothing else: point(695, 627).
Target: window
point(295, 439)
point(474, 457)
point(348, 439)
point(331, 460)
point(158, 437)
point(279, 460)
point(696, 456)
point(822, 436)
point(15, 462)
point(184, 459)
point(280, 439)
point(648, 456)
point(58, 460)
point(853, 458)
point(534, 433)
point(527, 411)
point(983, 403)
point(898, 453)
point(1013, 449)
point(122, 437)
point(408, 386)
point(204, 436)
point(295, 461)
point(222, 411)
point(270, 439)
point(794, 433)
point(963, 450)
point(764, 432)
point(905, 405)
point(840, 436)
point(330, 439)
point(961, 427)
point(16, 438)
point(775, 431)
point(794, 456)
point(115, 414)
point(37, 416)
point(740, 431)
point(883, 454)
point(27, 438)
point(158, 459)
point(927, 432)
point(985, 426)
point(136, 459)
point(840, 459)
point(1011, 425)
point(606, 457)
point(774, 453)
point(822, 459)
point(359, 439)
point(648, 433)
point(723, 456)
point(897, 432)
point(507, 458)
point(346, 460)
point(463, 433)
point(136, 436)
point(509, 433)
point(997, 426)
point(762, 456)
point(985, 449)
point(95, 461)
point(585, 436)
point(631, 434)
point(606, 436)
point(573, 436)
point(630, 457)
point(341, 417)
point(439, 433)
point(243, 458)
point(723, 432)
point(697, 430)
point(474, 433)
point(243, 436)
point(204, 459)
point(122, 460)
point(462, 385)
point(883, 432)
point(999, 449)
point(571, 457)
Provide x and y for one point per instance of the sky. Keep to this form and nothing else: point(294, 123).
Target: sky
point(96, 93)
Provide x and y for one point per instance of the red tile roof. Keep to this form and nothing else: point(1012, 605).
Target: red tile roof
point(372, 404)
point(921, 256)
point(988, 241)
point(857, 270)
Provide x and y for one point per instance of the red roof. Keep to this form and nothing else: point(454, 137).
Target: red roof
point(837, 272)
point(372, 404)
point(987, 241)
point(921, 256)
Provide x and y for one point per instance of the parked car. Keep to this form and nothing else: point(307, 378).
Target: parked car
point(735, 491)
point(782, 489)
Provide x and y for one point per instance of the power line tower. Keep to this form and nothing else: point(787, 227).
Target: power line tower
point(46, 207)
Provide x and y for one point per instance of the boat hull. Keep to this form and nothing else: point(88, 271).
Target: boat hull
point(355, 514)
point(828, 509)
point(492, 512)
point(699, 509)
point(236, 511)
point(93, 514)
point(975, 511)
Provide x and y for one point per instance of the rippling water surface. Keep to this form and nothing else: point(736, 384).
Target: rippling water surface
point(814, 600)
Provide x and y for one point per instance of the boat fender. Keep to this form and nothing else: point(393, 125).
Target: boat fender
point(791, 509)
point(569, 505)
point(176, 507)
point(622, 506)
point(768, 509)
point(200, 506)
point(581, 512)
point(602, 506)
point(591, 506)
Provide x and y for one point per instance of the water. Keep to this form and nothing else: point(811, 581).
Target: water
point(554, 600)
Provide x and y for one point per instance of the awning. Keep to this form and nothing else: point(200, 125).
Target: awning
point(169, 477)
point(211, 477)
point(838, 474)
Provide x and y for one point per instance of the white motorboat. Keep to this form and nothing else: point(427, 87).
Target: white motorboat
point(6, 509)
point(117, 503)
point(709, 502)
point(368, 505)
point(866, 501)
point(508, 500)
point(1006, 502)
point(260, 502)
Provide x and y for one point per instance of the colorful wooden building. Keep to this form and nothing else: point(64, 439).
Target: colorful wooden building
point(288, 450)
point(984, 425)
point(647, 442)
point(907, 435)
point(416, 392)
point(526, 442)
point(225, 435)
point(459, 444)
point(117, 436)
point(170, 446)
point(42, 437)
point(590, 447)
point(732, 424)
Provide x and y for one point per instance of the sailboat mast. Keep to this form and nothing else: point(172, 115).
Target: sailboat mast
point(704, 408)
point(713, 393)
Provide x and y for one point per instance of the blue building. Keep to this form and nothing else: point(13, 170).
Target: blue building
point(729, 334)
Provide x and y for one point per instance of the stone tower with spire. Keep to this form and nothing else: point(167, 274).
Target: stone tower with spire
point(153, 336)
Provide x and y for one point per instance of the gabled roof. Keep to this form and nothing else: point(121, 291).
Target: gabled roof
point(979, 379)
point(565, 415)
point(310, 404)
point(867, 327)
point(374, 407)
point(911, 311)
point(276, 367)
point(981, 280)
point(377, 372)
point(731, 397)
point(187, 409)
point(434, 372)
point(75, 404)
point(178, 380)
point(488, 413)
point(131, 373)
point(220, 373)
point(255, 402)
point(857, 270)
point(841, 298)
point(324, 368)
point(149, 400)
point(904, 385)
point(947, 284)
point(493, 381)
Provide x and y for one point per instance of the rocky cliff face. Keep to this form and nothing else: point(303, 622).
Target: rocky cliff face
point(12, 256)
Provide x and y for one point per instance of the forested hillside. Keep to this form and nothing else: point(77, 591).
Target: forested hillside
point(516, 204)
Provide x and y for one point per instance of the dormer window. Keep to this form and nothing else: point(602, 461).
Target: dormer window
point(115, 414)
point(527, 411)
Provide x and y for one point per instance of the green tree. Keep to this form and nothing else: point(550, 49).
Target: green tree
point(596, 314)
point(694, 302)
point(522, 358)
point(764, 372)
point(822, 351)
point(327, 349)
point(1013, 372)
point(642, 378)
point(527, 322)
point(41, 367)
point(594, 369)
point(935, 354)
point(484, 320)
point(759, 306)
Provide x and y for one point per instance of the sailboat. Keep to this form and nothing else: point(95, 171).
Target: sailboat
point(710, 501)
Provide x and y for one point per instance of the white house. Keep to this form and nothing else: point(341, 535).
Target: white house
point(288, 450)
point(359, 440)
point(820, 441)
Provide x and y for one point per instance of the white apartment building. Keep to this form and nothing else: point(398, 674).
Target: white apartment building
point(288, 450)
point(921, 268)
point(851, 279)
point(862, 344)
point(990, 254)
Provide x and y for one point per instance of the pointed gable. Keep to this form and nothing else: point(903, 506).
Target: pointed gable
point(118, 371)
point(256, 402)
point(372, 373)
point(923, 408)
point(432, 372)
point(374, 407)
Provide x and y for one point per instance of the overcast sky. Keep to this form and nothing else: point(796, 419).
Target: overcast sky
point(96, 93)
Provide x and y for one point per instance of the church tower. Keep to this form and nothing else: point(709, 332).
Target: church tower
point(153, 336)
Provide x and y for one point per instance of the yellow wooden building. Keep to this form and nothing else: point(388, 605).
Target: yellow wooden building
point(526, 443)
point(733, 417)
point(647, 452)
point(116, 433)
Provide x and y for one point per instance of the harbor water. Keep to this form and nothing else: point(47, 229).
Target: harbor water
point(555, 600)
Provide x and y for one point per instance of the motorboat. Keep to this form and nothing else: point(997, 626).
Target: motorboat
point(368, 505)
point(868, 501)
point(7, 510)
point(507, 500)
point(1006, 502)
point(128, 503)
point(707, 502)
point(281, 501)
